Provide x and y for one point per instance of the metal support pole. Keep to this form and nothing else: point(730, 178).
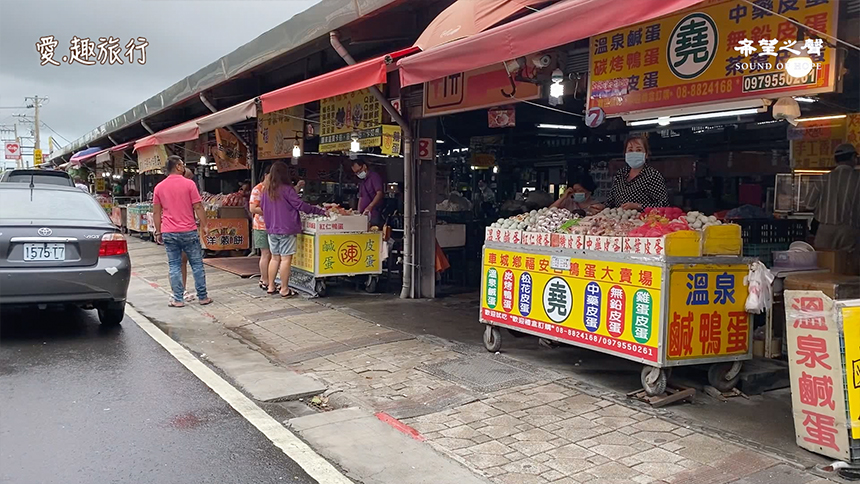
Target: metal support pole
point(146, 126)
point(212, 108)
point(408, 290)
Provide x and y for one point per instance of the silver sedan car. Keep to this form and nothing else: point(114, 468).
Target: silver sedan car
point(58, 247)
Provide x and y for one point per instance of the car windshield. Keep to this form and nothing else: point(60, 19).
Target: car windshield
point(15, 204)
point(40, 179)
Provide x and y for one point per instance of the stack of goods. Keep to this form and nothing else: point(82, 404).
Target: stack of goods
point(337, 219)
point(613, 229)
point(214, 202)
point(137, 216)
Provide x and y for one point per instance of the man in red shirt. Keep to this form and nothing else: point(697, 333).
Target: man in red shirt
point(175, 202)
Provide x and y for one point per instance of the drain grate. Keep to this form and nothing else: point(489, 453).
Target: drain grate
point(484, 374)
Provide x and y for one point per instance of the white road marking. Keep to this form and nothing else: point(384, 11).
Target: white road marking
point(312, 463)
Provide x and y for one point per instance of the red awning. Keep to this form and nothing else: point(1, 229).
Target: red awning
point(465, 18)
point(121, 146)
point(557, 25)
point(346, 79)
point(191, 130)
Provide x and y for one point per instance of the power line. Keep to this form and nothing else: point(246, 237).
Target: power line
point(55, 132)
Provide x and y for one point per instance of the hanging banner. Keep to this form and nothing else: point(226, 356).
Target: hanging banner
point(813, 143)
point(357, 113)
point(476, 89)
point(278, 132)
point(230, 154)
point(392, 139)
point(816, 371)
point(151, 158)
point(118, 161)
point(720, 50)
point(502, 117)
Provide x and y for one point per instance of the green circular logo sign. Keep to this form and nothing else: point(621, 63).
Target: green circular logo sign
point(692, 46)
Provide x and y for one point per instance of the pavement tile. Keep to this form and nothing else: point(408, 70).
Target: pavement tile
point(453, 444)
point(552, 475)
point(576, 434)
point(615, 422)
point(427, 427)
point(682, 432)
point(671, 446)
point(460, 432)
point(507, 440)
point(613, 470)
point(778, 474)
point(655, 425)
point(659, 456)
point(659, 470)
point(615, 410)
point(613, 451)
point(526, 466)
point(598, 460)
point(534, 435)
point(531, 448)
point(540, 420)
point(493, 471)
point(569, 466)
point(571, 451)
point(484, 460)
point(643, 479)
point(519, 479)
point(492, 447)
point(541, 457)
point(656, 438)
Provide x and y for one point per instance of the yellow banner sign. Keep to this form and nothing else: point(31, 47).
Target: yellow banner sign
point(37, 157)
point(392, 139)
point(717, 51)
point(304, 257)
point(100, 184)
point(279, 131)
point(151, 158)
point(613, 307)
point(851, 333)
point(348, 254)
point(815, 368)
point(357, 113)
point(853, 131)
point(706, 311)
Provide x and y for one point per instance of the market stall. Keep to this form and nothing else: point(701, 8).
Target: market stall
point(227, 224)
point(661, 291)
point(333, 246)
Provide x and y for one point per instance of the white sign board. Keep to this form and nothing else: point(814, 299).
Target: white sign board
point(13, 150)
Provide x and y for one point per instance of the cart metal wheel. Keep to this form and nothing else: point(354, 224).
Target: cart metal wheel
point(319, 287)
point(492, 338)
point(372, 282)
point(654, 380)
point(724, 376)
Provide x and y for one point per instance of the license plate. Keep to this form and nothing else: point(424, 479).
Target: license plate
point(44, 252)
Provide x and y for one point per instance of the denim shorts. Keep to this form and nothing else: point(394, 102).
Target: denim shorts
point(282, 244)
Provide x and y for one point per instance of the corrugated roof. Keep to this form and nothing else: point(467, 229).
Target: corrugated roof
point(312, 24)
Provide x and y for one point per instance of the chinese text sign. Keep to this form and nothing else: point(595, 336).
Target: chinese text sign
point(691, 57)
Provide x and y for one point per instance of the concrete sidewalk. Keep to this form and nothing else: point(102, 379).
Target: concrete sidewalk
point(504, 418)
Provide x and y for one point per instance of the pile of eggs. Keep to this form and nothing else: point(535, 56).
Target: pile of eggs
point(698, 220)
point(546, 220)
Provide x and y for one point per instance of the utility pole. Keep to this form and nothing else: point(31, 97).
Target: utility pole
point(36, 105)
point(20, 161)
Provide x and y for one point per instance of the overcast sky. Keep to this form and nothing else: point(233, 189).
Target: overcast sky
point(183, 35)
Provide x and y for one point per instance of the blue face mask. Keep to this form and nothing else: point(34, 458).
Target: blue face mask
point(578, 197)
point(635, 159)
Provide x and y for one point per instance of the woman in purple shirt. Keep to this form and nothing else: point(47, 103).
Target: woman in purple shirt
point(281, 206)
point(369, 193)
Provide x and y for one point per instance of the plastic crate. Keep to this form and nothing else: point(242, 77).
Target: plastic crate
point(772, 231)
point(764, 252)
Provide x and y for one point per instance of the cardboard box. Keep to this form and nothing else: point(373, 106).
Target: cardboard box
point(232, 212)
point(837, 262)
point(835, 286)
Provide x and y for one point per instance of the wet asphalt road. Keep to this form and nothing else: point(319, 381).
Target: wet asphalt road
point(82, 405)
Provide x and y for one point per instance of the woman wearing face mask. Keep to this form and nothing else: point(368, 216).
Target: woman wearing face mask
point(637, 185)
point(577, 198)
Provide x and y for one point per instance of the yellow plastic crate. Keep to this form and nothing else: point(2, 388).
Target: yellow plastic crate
point(684, 243)
point(723, 240)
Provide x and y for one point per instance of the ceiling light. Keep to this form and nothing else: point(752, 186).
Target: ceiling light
point(811, 172)
point(440, 142)
point(203, 160)
point(556, 126)
point(798, 67)
point(821, 118)
point(495, 169)
point(804, 99)
point(355, 146)
point(297, 151)
point(556, 89)
point(692, 117)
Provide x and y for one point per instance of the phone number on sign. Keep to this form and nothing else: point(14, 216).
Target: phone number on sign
point(777, 80)
point(707, 88)
point(626, 346)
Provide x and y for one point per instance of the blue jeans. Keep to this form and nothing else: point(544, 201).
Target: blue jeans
point(189, 242)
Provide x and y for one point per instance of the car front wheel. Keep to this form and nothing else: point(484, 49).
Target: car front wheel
point(111, 314)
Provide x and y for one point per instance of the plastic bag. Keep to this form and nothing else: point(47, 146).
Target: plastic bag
point(759, 281)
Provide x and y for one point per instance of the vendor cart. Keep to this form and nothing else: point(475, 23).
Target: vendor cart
point(334, 248)
point(655, 309)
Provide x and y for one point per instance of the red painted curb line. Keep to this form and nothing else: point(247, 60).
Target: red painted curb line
point(398, 425)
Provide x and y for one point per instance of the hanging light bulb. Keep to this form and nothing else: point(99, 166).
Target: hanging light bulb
point(203, 160)
point(355, 146)
point(297, 151)
point(798, 67)
point(556, 89)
